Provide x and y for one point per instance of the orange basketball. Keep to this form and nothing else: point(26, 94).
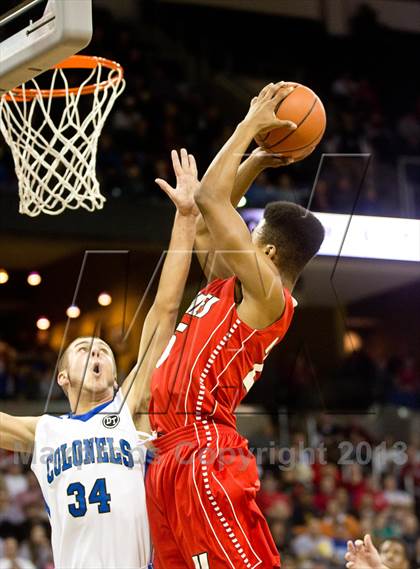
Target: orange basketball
point(303, 107)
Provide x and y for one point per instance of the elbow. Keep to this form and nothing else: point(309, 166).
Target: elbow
point(166, 311)
point(207, 198)
point(204, 195)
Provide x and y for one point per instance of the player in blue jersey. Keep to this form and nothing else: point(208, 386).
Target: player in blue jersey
point(90, 463)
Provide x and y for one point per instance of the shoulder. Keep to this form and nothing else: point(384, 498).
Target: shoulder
point(46, 422)
point(275, 321)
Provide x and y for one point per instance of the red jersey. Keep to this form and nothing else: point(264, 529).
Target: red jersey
point(212, 361)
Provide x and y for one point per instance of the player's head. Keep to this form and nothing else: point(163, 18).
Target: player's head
point(290, 235)
point(394, 554)
point(87, 363)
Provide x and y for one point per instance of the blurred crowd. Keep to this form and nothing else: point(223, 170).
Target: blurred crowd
point(337, 485)
point(25, 374)
point(24, 525)
point(167, 105)
point(370, 164)
point(315, 492)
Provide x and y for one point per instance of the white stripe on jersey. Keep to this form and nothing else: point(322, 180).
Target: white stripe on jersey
point(201, 561)
point(197, 358)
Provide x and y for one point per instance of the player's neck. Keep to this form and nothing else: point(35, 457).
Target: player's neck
point(287, 283)
point(86, 404)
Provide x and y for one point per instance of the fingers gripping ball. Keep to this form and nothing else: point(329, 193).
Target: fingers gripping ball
point(305, 108)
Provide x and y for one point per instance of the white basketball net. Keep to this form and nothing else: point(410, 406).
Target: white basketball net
point(54, 142)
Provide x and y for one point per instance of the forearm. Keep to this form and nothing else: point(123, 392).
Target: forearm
point(219, 181)
point(177, 264)
point(247, 172)
point(160, 321)
point(17, 433)
point(246, 175)
point(243, 178)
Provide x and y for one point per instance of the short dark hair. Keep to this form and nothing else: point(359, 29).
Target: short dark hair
point(295, 232)
point(398, 541)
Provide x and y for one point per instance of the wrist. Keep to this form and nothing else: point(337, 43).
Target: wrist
point(187, 216)
point(247, 128)
point(257, 163)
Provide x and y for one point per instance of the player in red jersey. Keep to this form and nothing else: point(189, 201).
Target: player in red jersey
point(202, 485)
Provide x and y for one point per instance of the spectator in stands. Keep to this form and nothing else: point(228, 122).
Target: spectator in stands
point(312, 544)
point(38, 548)
point(336, 520)
point(31, 500)
point(394, 554)
point(11, 515)
point(264, 191)
point(14, 478)
point(7, 379)
point(370, 495)
point(271, 500)
point(325, 494)
point(281, 535)
point(394, 495)
point(322, 197)
point(11, 558)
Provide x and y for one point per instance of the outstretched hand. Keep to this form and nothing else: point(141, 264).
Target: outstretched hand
point(363, 555)
point(262, 112)
point(187, 182)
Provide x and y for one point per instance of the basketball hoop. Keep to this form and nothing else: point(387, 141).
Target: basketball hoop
point(53, 141)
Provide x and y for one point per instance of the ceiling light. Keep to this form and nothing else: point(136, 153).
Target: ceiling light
point(104, 299)
point(73, 311)
point(43, 323)
point(4, 276)
point(34, 279)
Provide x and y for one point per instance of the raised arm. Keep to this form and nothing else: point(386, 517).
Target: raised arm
point(17, 433)
point(262, 289)
point(204, 246)
point(161, 318)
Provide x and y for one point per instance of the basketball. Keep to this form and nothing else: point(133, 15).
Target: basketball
point(305, 108)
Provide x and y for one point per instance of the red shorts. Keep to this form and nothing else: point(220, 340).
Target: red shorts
point(201, 490)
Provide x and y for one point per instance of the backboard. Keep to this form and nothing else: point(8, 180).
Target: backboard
point(29, 46)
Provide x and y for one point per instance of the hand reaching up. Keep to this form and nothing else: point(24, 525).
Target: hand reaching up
point(187, 182)
point(363, 555)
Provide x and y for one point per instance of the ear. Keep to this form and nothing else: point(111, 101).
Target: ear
point(115, 385)
point(62, 379)
point(270, 251)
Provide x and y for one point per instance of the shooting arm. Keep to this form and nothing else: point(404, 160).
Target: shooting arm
point(212, 264)
point(234, 179)
point(263, 299)
point(17, 433)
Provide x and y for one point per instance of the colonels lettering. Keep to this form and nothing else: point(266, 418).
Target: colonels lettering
point(88, 451)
